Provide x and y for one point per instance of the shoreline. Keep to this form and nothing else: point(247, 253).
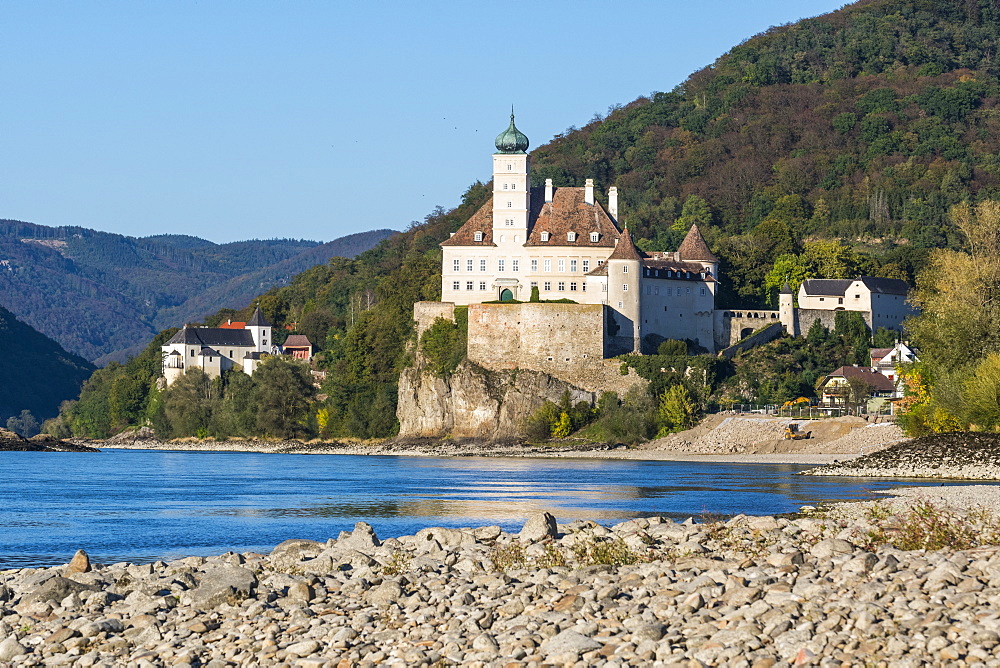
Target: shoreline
point(757, 589)
point(481, 450)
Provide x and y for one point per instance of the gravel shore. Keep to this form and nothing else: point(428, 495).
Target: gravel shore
point(959, 456)
point(750, 591)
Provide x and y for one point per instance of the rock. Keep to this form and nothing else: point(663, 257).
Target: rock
point(538, 527)
point(304, 648)
point(385, 594)
point(830, 547)
point(568, 642)
point(362, 538)
point(56, 589)
point(290, 553)
point(10, 648)
point(487, 533)
point(80, 563)
point(221, 584)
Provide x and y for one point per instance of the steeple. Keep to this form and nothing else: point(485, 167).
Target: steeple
point(511, 140)
point(694, 247)
point(625, 249)
point(258, 319)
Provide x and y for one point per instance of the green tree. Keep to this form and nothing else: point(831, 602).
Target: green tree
point(695, 211)
point(676, 410)
point(787, 268)
point(283, 390)
point(188, 404)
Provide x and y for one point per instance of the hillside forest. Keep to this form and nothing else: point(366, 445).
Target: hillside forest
point(863, 141)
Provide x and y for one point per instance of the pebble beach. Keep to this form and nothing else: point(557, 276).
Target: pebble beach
point(811, 589)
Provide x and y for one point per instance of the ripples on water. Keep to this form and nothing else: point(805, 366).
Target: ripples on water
point(134, 505)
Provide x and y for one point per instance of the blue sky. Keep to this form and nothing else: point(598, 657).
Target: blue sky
point(234, 120)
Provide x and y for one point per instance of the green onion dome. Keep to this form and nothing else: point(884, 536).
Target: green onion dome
point(511, 140)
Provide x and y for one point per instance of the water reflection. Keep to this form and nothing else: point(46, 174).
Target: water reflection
point(183, 503)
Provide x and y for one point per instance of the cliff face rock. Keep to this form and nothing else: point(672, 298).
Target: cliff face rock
point(474, 402)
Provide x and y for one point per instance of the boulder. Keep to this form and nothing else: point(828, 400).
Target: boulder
point(568, 646)
point(538, 527)
point(289, 553)
point(55, 589)
point(10, 648)
point(362, 538)
point(221, 584)
point(80, 563)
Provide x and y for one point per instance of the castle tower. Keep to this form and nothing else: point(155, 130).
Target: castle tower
point(511, 189)
point(786, 310)
point(695, 249)
point(624, 288)
point(260, 329)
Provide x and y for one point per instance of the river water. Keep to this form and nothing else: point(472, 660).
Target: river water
point(140, 506)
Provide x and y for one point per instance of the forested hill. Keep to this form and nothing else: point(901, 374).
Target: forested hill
point(830, 147)
point(36, 374)
point(101, 295)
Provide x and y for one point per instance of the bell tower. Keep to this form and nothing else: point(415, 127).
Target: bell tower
point(511, 188)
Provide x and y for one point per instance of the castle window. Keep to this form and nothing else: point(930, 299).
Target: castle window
point(547, 285)
point(594, 237)
point(503, 238)
point(500, 264)
point(456, 285)
point(478, 236)
point(572, 265)
point(534, 265)
point(703, 292)
point(192, 352)
point(562, 286)
point(265, 342)
point(625, 287)
point(625, 269)
point(687, 291)
point(456, 265)
point(468, 265)
point(586, 266)
point(510, 167)
point(571, 236)
point(857, 296)
point(600, 262)
point(510, 204)
point(482, 285)
point(534, 284)
point(822, 298)
point(514, 265)
point(656, 291)
point(604, 287)
point(583, 286)
point(509, 222)
point(468, 285)
point(620, 305)
point(548, 265)
point(545, 236)
point(572, 287)
point(505, 186)
point(562, 265)
point(482, 265)
point(670, 292)
point(513, 186)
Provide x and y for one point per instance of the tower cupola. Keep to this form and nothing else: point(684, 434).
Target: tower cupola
point(512, 140)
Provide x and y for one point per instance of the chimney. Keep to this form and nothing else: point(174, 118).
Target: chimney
point(613, 201)
point(548, 190)
point(588, 192)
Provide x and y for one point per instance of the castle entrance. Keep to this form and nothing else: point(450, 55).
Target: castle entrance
point(506, 295)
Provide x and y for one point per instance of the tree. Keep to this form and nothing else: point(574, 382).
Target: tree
point(789, 269)
point(830, 259)
point(695, 211)
point(676, 410)
point(25, 425)
point(188, 404)
point(283, 390)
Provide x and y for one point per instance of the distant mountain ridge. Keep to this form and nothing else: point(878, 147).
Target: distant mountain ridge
point(36, 374)
point(103, 295)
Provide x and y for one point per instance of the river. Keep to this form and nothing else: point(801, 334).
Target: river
point(141, 506)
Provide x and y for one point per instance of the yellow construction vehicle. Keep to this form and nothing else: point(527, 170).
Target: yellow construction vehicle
point(792, 433)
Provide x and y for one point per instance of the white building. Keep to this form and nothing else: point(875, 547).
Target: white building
point(883, 298)
point(564, 243)
point(217, 349)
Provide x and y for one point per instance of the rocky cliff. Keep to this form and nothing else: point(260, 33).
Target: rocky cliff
point(474, 402)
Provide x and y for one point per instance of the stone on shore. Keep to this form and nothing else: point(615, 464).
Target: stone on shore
point(80, 563)
point(538, 527)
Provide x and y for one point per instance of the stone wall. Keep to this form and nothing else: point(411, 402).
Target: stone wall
point(730, 324)
point(425, 313)
point(805, 317)
point(770, 333)
point(566, 341)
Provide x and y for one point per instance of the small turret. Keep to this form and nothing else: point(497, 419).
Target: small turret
point(260, 329)
point(786, 309)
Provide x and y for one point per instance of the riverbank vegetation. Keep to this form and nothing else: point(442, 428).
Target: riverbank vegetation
point(828, 148)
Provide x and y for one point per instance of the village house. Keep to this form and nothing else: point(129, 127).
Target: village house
point(835, 389)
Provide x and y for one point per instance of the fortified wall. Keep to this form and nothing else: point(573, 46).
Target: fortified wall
point(805, 317)
point(566, 341)
point(733, 325)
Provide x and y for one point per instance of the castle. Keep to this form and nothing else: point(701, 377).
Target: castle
point(564, 243)
point(218, 349)
point(561, 242)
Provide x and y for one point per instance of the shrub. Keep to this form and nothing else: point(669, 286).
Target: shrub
point(443, 345)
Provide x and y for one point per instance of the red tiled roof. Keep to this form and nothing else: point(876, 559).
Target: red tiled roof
point(297, 341)
point(873, 378)
point(567, 212)
point(694, 247)
point(233, 325)
point(626, 250)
